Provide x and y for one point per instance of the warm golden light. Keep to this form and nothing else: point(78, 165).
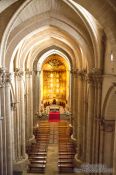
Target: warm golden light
point(51, 85)
point(55, 79)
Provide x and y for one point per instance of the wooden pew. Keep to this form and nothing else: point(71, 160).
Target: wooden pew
point(65, 167)
point(32, 154)
point(37, 167)
point(38, 161)
point(66, 156)
point(37, 158)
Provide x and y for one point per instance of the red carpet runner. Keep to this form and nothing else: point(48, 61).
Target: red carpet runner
point(54, 116)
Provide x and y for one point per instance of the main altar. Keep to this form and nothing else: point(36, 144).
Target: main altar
point(54, 108)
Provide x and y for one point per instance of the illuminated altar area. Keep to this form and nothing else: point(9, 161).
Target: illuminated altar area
point(55, 81)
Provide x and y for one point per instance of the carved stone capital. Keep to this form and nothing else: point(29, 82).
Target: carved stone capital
point(82, 74)
point(107, 125)
point(13, 106)
point(96, 71)
point(28, 72)
point(95, 76)
point(7, 77)
point(90, 78)
point(19, 73)
point(74, 72)
point(2, 74)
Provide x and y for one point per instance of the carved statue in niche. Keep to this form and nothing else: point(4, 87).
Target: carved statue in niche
point(54, 102)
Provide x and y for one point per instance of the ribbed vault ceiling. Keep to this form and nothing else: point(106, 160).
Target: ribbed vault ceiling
point(40, 24)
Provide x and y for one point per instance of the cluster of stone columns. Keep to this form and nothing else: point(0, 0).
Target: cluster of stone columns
point(36, 92)
point(29, 106)
point(87, 100)
point(90, 131)
point(16, 120)
point(6, 153)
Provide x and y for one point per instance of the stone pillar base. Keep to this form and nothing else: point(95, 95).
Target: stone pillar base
point(21, 166)
point(77, 161)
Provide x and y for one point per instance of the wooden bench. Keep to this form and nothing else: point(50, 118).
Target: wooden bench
point(63, 156)
point(38, 161)
point(65, 167)
point(66, 147)
point(66, 153)
point(65, 160)
point(34, 149)
point(38, 151)
point(37, 158)
point(37, 154)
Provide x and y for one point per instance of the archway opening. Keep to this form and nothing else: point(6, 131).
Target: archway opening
point(55, 79)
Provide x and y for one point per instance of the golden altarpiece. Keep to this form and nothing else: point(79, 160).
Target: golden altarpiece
point(55, 80)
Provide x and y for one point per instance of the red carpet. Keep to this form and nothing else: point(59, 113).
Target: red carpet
point(54, 116)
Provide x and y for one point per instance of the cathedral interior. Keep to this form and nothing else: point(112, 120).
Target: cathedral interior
point(57, 87)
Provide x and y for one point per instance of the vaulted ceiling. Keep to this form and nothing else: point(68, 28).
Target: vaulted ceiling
point(39, 25)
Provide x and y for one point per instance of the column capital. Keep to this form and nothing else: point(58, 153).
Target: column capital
point(8, 77)
point(19, 72)
point(94, 76)
point(5, 77)
point(82, 74)
point(28, 72)
point(2, 74)
point(13, 106)
point(73, 71)
point(107, 125)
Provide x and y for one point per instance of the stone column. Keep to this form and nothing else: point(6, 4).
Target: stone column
point(36, 92)
point(74, 104)
point(3, 132)
point(29, 108)
point(90, 118)
point(80, 115)
point(108, 129)
point(20, 162)
point(98, 118)
point(94, 121)
point(22, 115)
point(8, 125)
point(85, 107)
point(14, 134)
point(1, 147)
point(1, 129)
point(114, 152)
point(39, 91)
point(71, 107)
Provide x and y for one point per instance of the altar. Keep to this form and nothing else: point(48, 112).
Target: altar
point(54, 108)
